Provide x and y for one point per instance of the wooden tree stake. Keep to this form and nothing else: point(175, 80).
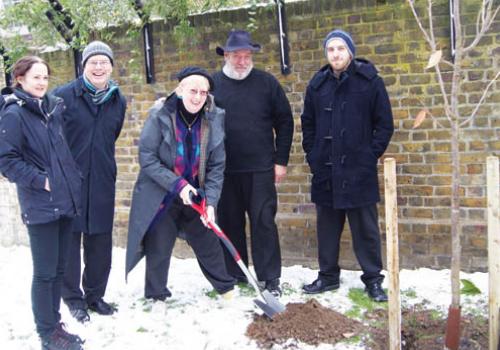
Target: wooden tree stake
point(391, 229)
point(493, 181)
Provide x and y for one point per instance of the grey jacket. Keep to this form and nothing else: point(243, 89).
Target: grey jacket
point(157, 152)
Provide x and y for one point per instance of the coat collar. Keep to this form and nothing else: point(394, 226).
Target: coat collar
point(358, 66)
point(46, 106)
point(79, 86)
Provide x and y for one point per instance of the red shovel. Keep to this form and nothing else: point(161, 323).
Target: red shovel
point(267, 302)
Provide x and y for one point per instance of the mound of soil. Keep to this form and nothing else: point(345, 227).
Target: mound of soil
point(313, 324)
point(421, 329)
point(308, 322)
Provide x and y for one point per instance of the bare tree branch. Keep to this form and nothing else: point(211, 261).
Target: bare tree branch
point(485, 92)
point(419, 22)
point(448, 63)
point(480, 18)
point(447, 108)
point(486, 16)
point(458, 60)
point(431, 40)
point(431, 25)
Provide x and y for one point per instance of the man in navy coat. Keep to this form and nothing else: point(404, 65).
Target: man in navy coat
point(347, 125)
point(92, 123)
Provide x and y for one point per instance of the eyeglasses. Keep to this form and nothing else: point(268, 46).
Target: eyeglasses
point(99, 63)
point(203, 93)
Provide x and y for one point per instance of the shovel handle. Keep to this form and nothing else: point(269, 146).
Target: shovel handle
point(198, 203)
point(268, 304)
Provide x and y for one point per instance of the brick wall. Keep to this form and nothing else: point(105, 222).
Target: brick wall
point(386, 33)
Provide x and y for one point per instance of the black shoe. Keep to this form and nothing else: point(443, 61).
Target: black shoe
point(159, 297)
point(319, 286)
point(273, 286)
point(80, 314)
point(60, 328)
point(102, 308)
point(375, 292)
point(55, 341)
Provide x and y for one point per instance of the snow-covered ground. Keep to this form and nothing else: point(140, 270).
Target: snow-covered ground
point(192, 319)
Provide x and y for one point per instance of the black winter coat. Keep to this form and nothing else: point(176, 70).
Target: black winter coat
point(33, 149)
point(347, 125)
point(91, 132)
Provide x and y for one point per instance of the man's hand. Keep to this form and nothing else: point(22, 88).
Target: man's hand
point(210, 216)
point(47, 185)
point(186, 190)
point(279, 173)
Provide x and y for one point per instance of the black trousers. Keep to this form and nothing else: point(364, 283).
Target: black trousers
point(159, 242)
point(97, 250)
point(365, 238)
point(255, 194)
point(49, 250)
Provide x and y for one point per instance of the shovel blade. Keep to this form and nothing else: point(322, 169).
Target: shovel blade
point(271, 306)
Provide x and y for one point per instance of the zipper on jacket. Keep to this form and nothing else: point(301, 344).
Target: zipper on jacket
point(49, 114)
point(46, 121)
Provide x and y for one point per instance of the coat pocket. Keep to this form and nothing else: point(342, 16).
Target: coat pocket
point(321, 188)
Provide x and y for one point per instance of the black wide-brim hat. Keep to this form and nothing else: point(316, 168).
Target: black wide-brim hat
point(238, 40)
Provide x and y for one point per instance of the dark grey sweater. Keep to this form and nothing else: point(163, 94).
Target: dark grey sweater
point(255, 107)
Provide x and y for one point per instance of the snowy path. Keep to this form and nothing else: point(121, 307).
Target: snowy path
point(190, 320)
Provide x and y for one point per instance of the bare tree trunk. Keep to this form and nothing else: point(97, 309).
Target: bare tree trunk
point(454, 117)
point(485, 17)
point(455, 218)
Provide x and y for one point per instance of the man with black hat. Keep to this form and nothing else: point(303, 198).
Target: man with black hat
point(93, 119)
point(346, 125)
point(259, 130)
point(181, 149)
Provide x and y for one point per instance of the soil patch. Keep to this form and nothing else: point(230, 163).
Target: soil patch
point(424, 329)
point(308, 322)
point(313, 324)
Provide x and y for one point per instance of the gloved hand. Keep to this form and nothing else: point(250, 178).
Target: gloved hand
point(210, 216)
point(185, 194)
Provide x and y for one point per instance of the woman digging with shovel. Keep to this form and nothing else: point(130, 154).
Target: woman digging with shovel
point(181, 148)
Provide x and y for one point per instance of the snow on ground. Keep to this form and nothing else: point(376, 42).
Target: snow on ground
point(191, 319)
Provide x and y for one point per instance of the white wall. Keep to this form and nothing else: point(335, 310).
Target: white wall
point(12, 229)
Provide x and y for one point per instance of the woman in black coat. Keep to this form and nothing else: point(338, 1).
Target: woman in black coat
point(35, 156)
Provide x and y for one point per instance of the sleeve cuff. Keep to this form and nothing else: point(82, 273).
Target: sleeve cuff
point(179, 185)
point(283, 162)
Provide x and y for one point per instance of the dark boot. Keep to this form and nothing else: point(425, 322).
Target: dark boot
point(159, 297)
point(102, 307)
point(56, 341)
point(60, 328)
point(375, 292)
point(320, 285)
point(273, 286)
point(80, 314)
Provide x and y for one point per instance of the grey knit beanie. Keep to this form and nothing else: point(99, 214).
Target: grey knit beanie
point(344, 36)
point(96, 48)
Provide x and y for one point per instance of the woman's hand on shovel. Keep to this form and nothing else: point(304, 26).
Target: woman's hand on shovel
point(210, 216)
point(185, 194)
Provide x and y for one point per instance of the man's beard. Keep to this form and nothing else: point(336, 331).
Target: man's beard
point(230, 72)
